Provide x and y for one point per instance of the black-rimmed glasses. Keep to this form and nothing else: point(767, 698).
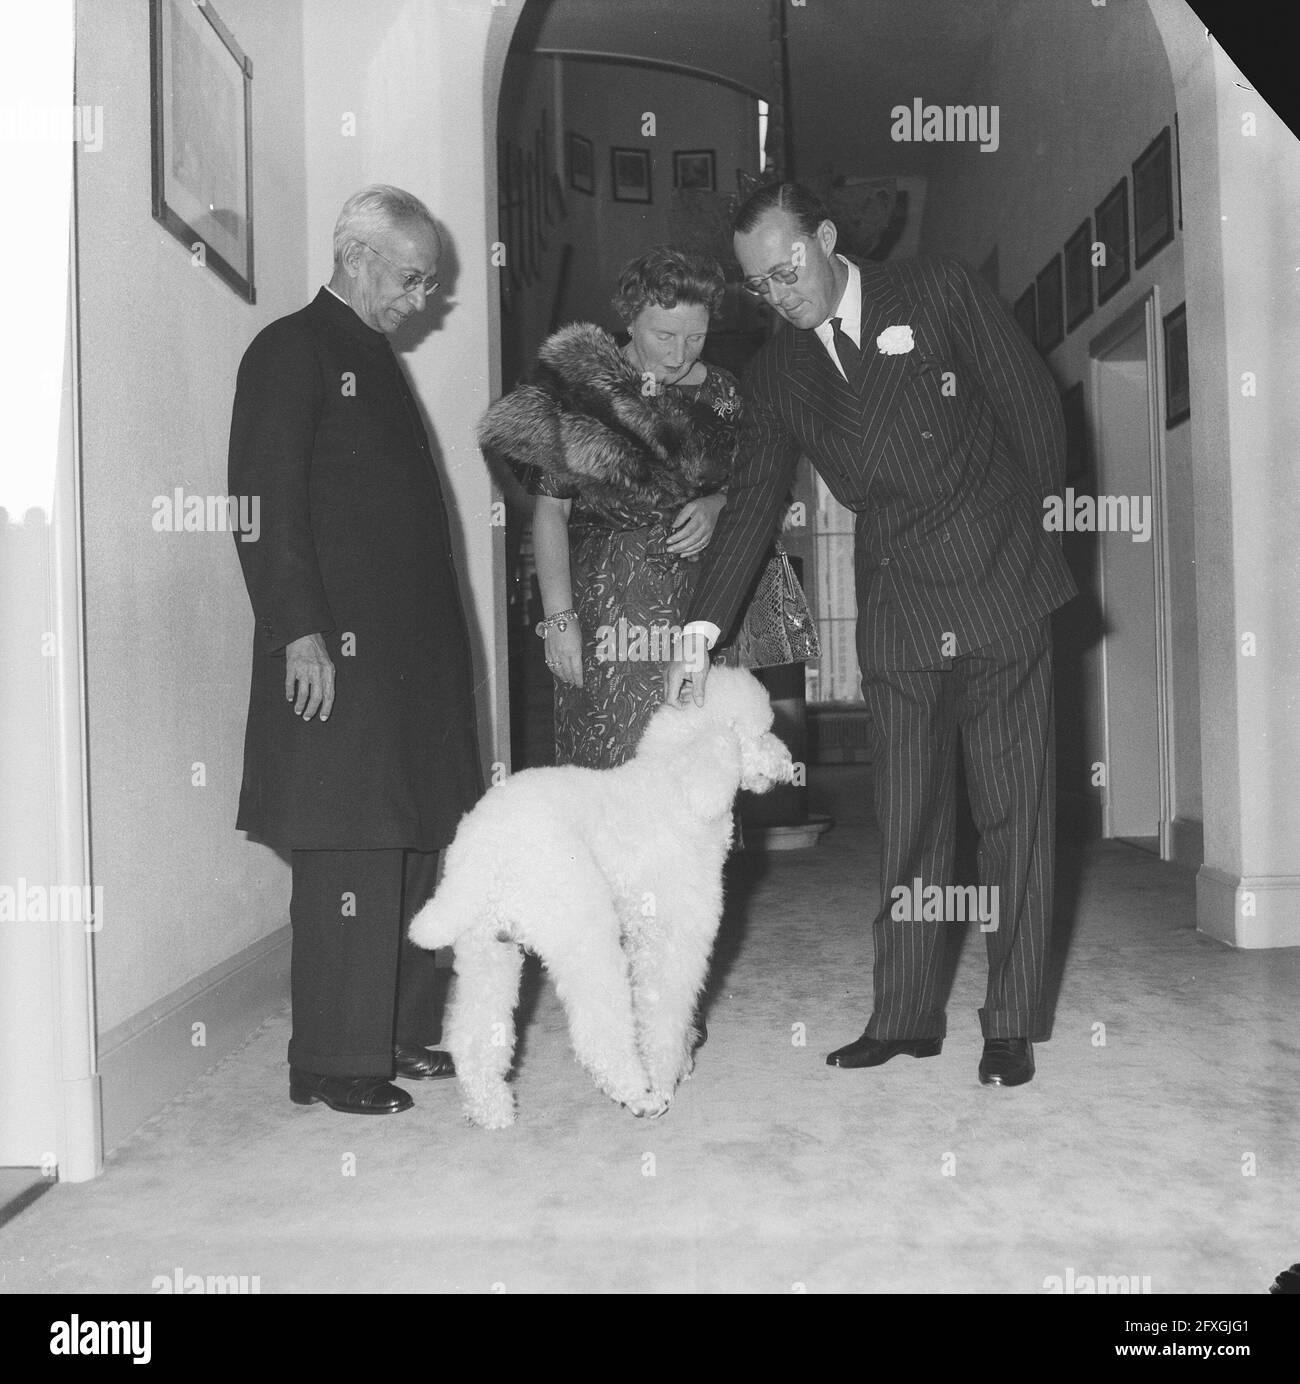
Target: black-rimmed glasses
point(757, 285)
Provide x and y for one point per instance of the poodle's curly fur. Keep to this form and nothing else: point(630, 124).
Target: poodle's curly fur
point(614, 878)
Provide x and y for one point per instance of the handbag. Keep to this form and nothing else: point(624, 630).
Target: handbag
point(778, 626)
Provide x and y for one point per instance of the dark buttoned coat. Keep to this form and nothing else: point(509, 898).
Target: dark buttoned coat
point(353, 544)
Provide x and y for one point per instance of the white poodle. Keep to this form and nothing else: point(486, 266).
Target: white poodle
point(613, 877)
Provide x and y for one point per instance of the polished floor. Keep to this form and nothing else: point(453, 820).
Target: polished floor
point(1156, 1149)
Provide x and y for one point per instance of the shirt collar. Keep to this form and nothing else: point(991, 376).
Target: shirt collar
point(848, 309)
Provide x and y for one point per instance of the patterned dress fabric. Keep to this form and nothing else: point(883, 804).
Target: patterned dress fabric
point(630, 593)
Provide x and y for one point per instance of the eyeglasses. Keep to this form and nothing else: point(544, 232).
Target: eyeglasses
point(758, 284)
point(410, 278)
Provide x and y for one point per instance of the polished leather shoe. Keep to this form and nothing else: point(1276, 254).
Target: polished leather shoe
point(423, 1064)
point(1007, 1062)
point(871, 1052)
point(353, 1095)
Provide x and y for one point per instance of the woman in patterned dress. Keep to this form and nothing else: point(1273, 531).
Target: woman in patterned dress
point(627, 449)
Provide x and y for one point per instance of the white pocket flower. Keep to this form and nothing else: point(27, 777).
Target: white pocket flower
point(895, 341)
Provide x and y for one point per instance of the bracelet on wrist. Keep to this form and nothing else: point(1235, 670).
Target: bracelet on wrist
point(560, 621)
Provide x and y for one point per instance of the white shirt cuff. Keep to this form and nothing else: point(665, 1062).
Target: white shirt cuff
point(707, 628)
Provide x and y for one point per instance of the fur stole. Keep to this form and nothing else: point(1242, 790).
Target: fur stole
point(584, 420)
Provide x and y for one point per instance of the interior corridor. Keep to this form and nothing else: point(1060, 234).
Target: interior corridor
point(1157, 1142)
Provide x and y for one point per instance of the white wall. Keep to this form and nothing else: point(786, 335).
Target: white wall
point(168, 626)
point(1242, 301)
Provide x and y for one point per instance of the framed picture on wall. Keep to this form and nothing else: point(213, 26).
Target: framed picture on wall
point(1026, 313)
point(1153, 199)
point(1178, 170)
point(201, 87)
point(1078, 275)
point(1076, 432)
point(582, 163)
point(631, 173)
point(1178, 393)
point(1112, 235)
point(693, 170)
point(1051, 321)
point(989, 270)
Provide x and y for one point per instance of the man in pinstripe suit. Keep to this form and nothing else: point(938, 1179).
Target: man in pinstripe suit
point(928, 414)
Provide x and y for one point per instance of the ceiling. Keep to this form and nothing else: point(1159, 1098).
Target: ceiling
point(851, 61)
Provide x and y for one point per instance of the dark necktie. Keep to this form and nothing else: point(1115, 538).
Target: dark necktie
point(850, 356)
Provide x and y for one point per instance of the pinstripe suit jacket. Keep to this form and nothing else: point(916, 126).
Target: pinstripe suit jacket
point(945, 453)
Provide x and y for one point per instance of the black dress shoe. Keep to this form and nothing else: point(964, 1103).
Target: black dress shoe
point(871, 1052)
point(1007, 1062)
point(353, 1095)
point(422, 1064)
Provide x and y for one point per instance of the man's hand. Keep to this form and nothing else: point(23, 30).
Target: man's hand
point(690, 668)
point(693, 527)
point(309, 677)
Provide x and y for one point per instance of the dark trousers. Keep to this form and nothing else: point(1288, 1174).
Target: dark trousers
point(359, 986)
point(1000, 697)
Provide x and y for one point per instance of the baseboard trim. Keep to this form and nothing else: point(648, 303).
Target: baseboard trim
point(1187, 841)
point(150, 1058)
point(1248, 911)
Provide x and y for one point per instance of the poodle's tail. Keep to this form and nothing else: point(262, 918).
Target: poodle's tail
point(451, 911)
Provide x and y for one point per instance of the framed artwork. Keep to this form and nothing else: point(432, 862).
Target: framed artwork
point(582, 164)
point(1153, 199)
point(1026, 313)
point(990, 272)
point(693, 170)
point(1112, 233)
point(1076, 432)
point(1178, 170)
point(202, 84)
point(1051, 321)
point(1178, 393)
point(631, 173)
point(1078, 275)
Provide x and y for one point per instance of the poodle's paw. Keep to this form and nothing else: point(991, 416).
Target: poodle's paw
point(495, 1110)
point(651, 1104)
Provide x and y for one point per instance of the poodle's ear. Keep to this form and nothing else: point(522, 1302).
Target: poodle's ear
point(709, 766)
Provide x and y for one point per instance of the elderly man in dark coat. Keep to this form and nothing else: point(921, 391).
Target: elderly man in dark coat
point(360, 750)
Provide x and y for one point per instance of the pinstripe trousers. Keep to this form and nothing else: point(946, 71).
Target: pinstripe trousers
point(1000, 699)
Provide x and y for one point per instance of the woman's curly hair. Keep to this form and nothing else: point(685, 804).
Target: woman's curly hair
point(665, 276)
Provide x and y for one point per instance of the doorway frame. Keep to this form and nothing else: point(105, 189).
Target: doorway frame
point(1141, 316)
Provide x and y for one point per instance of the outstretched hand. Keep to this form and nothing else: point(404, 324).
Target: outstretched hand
point(689, 669)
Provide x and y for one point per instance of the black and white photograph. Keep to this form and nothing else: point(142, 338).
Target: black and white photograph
point(1078, 275)
point(1050, 329)
point(582, 164)
point(1178, 395)
point(202, 139)
point(1153, 199)
point(630, 175)
point(1111, 249)
point(648, 650)
point(1025, 313)
point(693, 170)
